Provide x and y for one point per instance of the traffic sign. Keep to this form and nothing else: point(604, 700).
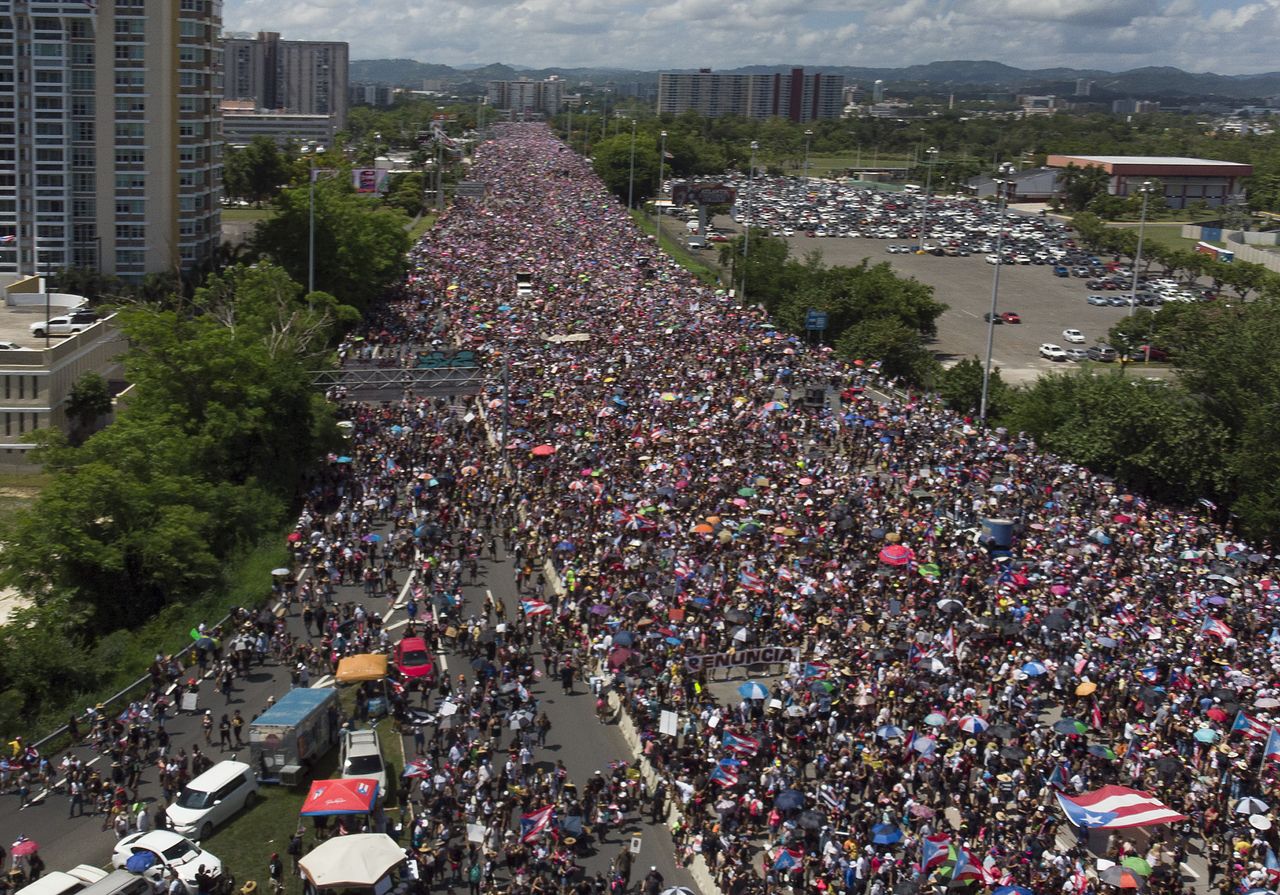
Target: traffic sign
point(815, 321)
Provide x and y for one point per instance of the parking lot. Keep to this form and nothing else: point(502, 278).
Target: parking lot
point(1047, 304)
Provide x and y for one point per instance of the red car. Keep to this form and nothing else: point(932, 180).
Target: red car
point(414, 660)
point(1010, 317)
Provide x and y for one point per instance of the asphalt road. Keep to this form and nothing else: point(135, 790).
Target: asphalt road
point(576, 738)
point(1046, 304)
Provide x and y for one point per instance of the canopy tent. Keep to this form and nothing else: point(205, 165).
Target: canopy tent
point(354, 795)
point(364, 667)
point(360, 859)
point(1115, 808)
point(567, 337)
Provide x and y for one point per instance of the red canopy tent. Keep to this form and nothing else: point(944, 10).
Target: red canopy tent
point(356, 795)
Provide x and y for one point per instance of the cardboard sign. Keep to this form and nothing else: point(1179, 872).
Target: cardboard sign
point(476, 832)
point(667, 722)
point(634, 847)
point(190, 701)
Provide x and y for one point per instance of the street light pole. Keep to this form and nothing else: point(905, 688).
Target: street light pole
point(932, 152)
point(311, 224)
point(657, 209)
point(746, 226)
point(1002, 199)
point(1145, 189)
point(804, 173)
point(631, 178)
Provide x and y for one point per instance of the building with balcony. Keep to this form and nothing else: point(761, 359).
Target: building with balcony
point(526, 97)
point(295, 77)
point(793, 95)
point(110, 138)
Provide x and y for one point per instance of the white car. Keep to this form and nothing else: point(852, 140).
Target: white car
point(362, 757)
point(1073, 335)
point(993, 259)
point(174, 852)
point(1049, 351)
point(66, 325)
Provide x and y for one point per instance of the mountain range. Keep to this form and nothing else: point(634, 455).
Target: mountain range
point(959, 76)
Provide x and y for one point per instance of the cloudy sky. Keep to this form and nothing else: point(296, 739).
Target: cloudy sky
point(1225, 36)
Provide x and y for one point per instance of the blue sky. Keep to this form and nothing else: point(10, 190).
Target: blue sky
point(1225, 36)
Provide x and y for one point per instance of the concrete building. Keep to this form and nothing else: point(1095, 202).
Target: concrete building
point(795, 95)
point(526, 97)
point(1134, 107)
point(1182, 180)
point(361, 94)
point(298, 77)
point(110, 138)
point(242, 121)
point(35, 380)
point(1030, 185)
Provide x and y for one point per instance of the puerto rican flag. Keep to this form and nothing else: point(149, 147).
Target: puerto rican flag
point(724, 776)
point(787, 858)
point(8, 239)
point(740, 744)
point(535, 823)
point(751, 581)
point(1150, 674)
point(815, 669)
point(1215, 628)
point(1095, 716)
point(535, 607)
point(785, 573)
point(933, 851)
point(1117, 807)
point(949, 640)
point(1253, 728)
point(964, 867)
point(1271, 751)
point(682, 570)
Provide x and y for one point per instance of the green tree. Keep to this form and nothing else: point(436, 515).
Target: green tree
point(900, 349)
point(87, 402)
point(359, 245)
point(960, 386)
point(612, 160)
point(257, 172)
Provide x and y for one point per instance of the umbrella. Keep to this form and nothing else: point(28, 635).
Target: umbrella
point(886, 834)
point(623, 638)
point(1266, 702)
point(810, 820)
point(358, 859)
point(139, 861)
point(1013, 753)
point(1251, 805)
point(973, 724)
point(447, 708)
point(1034, 669)
point(1100, 751)
point(1011, 890)
point(1169, 765)
point(922, 811)
point(736, 616)
point(1001, 731)
point(205, 643)
point(1206, 735)
point(543, 450)
point(746, 492)
point(1085, 688)
point(788, 799)
point(752, 690)
point(889, 732)
point(281, 573)
point(935, 719)
point(1137, 865)
point(1122, 877)
point(896, 555)
point(618, 657)
point(950, 604)
point(677, 890)
point(1070, 727)
point(1216, 714)
point(742, 635)
point(600, 609)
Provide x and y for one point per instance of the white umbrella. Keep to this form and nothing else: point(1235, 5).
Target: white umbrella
point(360, 859)
point(447, 708)
point(1250, 805)
point(677, 890)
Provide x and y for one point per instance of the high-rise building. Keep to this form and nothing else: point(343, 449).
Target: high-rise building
point(299, 77)
point(794, 95)
point(525, 95)
point(110, 138)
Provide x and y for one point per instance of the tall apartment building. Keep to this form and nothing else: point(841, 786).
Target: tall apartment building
point(525, 95)
point(794, 95)
point(300, 77)
point(110, 139)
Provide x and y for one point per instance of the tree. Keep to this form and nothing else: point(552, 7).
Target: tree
point(88, 400)
point(359, 245)
point(899, 348)
point(961, 389)
point(256, 172)
point(612, 161)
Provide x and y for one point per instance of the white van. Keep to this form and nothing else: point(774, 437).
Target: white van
point(119, 882)
point(212, 798)
point(58, 883)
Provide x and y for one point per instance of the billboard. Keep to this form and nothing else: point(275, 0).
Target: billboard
point(702, 194)
point(368, 180)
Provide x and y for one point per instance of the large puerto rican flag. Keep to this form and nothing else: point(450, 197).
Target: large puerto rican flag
point(535, 823)
point(1116, 807)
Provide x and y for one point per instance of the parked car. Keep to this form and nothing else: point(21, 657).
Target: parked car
point(1104, 353)
point(414, 660)
point(212, 798)
point(1050, 351)
point(1077, 354)
point(1140, 354)
point(1010, 317)
point(362, 757)
point(1099, 301)
point(9, 346)
point(986, 318)
point(56, 882)
point(1073, 335)
point(64, 325)
point(1061, 272)
point(176, 853)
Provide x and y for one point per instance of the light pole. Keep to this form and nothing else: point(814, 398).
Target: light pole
point(1146, 189)
point(631, 178)
point(746, 225)
point(1002, 199)
point(657, 209)
point(932, 152)
point(804, 172)
point(311, 220)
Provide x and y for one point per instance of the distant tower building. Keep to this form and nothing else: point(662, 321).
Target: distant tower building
point(877, 92)
point(796, 95)
point(1083, 87)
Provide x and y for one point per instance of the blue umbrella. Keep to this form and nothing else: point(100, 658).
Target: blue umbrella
point(623, 638)
point(565, 546)
point(1034, 669)
point(674, 641)
point(752, 690)
point(788, 799)
point(889, 732)
point(344, 459)
point(141, 861)
point(1011, 890)
point(886, 834)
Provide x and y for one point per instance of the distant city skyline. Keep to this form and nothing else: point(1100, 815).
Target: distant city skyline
point(1222, 36)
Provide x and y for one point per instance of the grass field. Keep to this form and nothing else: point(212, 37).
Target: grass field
point(704, 269)
point(823, 165)
point(421, 225)
point(1168, 235)
point(18, 489)
point(246, 215)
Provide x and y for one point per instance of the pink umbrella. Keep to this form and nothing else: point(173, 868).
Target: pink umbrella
point(618, 657)
point(1059, 590)
point(897, 555)
point(24, 848)
point(544, 450)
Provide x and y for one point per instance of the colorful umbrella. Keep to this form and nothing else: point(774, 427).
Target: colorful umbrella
point(1070, 727)
point(543, 450)
point(973, 724)
point(896, 555)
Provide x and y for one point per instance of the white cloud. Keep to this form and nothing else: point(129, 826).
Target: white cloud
point(1227, 36)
